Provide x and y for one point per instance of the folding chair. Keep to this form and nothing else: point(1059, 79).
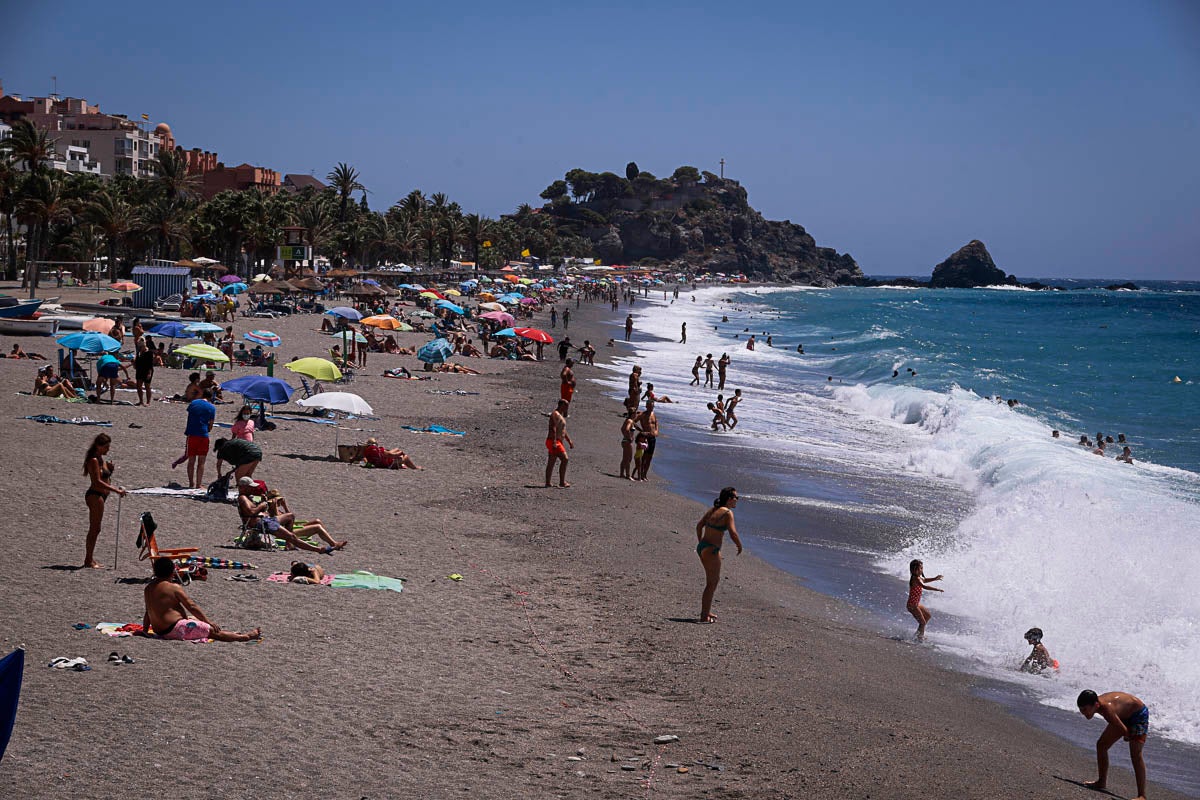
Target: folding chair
point(149, 549)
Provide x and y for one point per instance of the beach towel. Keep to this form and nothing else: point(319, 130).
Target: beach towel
point(169, 491)
point(361, 579)
point(438, 429)
point(216, 563)
point(47, 419)
point(317, 420)
point(284, 577)
point(74, 399)
point(12, 668)
point(458, 392)
point(119, 630)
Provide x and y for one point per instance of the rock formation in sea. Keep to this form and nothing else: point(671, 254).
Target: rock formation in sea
point(971, 265)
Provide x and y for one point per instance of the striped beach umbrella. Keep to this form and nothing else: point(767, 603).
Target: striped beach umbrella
point(265, 338)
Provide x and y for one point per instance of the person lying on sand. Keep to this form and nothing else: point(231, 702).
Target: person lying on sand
point(471, 351)
point(18, 352)
point(456, 368)
point(378, 456)
point(275, 515)
point(306, 573)
point(47, 384)
point(1128, 718)
point(173, 615)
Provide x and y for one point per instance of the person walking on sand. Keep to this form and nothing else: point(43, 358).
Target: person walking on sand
point(722, 366)
point(917, 582)
point(99, 470)
point(143, 369)
point(201, 414)
point(683, 333)
point(710, 535)
point(647, 424)
point(628, 327)
point(696, 371)
point(708, 371)
point(553, 317)
point(566, 389)
point(1128, 718)
point(555, 436)
point(627, 434)
point(567, 317)
point(171, 614)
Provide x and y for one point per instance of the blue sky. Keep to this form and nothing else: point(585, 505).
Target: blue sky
point(1064, 135)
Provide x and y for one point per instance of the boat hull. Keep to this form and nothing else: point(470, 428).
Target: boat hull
point(28, 327)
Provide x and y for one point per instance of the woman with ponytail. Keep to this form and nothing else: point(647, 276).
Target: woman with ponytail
point(710, 535)
point(100, 471)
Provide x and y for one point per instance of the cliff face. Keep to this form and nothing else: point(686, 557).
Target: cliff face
point(971, 265)
point(691, 220)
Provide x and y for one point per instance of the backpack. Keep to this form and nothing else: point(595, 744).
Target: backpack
point(218, 490)
point(261, 536)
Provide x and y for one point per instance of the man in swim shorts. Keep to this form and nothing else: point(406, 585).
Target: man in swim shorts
point(555, 436)
point(201, 414)
point(648, 424)
point(1128, 718)
point(567, 390)
point(173, 615)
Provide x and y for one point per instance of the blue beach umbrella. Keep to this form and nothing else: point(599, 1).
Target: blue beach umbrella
point(263, 337)
point(203, 327)
point(174, 330)
point(90, 342)
point(203, 298)
point(370, 282)
point(235, 288)
point(345, 313)
point(446, 304)
point(505, 332)
point(260, 387)
point(435, 352)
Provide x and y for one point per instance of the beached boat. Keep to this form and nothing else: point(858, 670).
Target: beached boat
point(28, 327)
point(66, 322)
point(11, 307)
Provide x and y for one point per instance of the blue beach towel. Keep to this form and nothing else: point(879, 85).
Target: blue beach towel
point(434, 429)
point(47, 419)
point(12, 668)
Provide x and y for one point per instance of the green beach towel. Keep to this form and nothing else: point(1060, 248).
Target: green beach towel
point(361, 579)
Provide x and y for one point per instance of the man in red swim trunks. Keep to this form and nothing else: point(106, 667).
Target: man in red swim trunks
point(567, 390)
point(554, 445)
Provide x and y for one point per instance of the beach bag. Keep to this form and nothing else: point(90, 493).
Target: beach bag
point(350, 452)
point(262, 535)
point(218, 490)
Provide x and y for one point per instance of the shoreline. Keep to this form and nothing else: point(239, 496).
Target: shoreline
point(564, 635)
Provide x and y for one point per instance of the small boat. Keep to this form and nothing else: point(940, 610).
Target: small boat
point(28, 327)
point(11, 307)
point(66, 322)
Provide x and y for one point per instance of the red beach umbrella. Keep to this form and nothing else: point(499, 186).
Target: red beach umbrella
point(534, 334)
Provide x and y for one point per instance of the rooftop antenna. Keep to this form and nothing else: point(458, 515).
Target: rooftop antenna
point(54, 93)
point(722, 169)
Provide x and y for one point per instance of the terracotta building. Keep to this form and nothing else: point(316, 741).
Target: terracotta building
point(239, 178)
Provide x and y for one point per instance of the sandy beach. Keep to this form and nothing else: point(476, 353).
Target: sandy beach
point(568, 646)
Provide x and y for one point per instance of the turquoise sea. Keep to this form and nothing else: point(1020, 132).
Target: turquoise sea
point(1028, 529)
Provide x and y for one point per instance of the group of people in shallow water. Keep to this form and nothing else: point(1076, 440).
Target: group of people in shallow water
point(1128, 717)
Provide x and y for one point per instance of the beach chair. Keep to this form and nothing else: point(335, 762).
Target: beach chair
point(308, 392)
point(148, 544)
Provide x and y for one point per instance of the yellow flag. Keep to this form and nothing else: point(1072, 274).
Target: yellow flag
point(146, 117)
point(597, 262)
point(487, 243)
point(525, 253)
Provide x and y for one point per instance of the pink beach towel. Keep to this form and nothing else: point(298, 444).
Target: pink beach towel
point(283, 577)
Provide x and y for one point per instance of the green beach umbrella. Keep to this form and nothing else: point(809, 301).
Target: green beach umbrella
point(203, 351)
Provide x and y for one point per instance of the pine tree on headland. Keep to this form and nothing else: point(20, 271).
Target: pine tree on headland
point(631, 171)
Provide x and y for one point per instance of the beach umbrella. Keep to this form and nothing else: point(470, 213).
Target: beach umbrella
point(535, 335)
point(346, 402)
point(228, 278)
point(498, 316)
point(371, 282)
point(206, 286)
point(171, 329)
point(260, 387)
point(485, 279)
point(99, 325)
point(235, 288)
point(506, 332)
point(431, 295)
point(203, 327)
point(416, 287)
point(123, 286)
point(423, 314)
point(492, 306)
point(512, 278)
point(345, 313)
point(435, 352)
point(320, 369)
point(207, 297)
point(266, 338)
point(487, 296)
point(383, 321)
point(529, 301)
point(203, 352)
point(262, 276)
point(451, 307)
point(452, 293)
point(90, 342)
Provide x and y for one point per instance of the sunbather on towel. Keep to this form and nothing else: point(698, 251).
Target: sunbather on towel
point(174, 615)
point(279, 519)
point(48, 384)
point(378, 456)
point(306, 573)
point(456, 368)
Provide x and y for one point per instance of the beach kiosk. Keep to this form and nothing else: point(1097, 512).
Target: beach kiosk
point(294, 251)
point(158, 282)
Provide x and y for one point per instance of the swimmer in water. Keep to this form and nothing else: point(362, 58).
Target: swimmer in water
point(1039, 660)
point(1126, 455)
point(917, 583)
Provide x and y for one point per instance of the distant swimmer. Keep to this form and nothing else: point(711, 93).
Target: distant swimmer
point(725, 318)
point(750, 342)
point(683, 333)
point(1084, 441)
point(1039, 660)
point(895, 373)
point(1099, 451)
point(769, 343)
point(1120, 438)
point(800, 349)
point(1054, 434)
point(1128, 718)
point(722, 367)
point(917, 583)
point(1126, 455)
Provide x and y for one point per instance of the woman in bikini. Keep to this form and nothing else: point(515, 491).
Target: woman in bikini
point(627, 435)
point(710, 533)
point(917, 583)
point(99, 471)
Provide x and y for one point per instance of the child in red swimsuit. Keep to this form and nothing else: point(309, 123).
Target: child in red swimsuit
point(917, 583)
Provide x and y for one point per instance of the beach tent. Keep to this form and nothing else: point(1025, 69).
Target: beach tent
point(158, 282)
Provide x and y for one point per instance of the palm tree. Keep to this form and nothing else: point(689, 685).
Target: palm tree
point(163, 218)
point(43, 204)
point(8, 209)
point(478, 229)
point(344, 180)
point(30, 145)
point(453, 229)
point(115, 218)
point(429, 230)
point(316, 218)
point(172, 176)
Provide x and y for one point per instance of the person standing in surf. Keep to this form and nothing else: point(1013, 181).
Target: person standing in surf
point(710, 535)
point(917, 583)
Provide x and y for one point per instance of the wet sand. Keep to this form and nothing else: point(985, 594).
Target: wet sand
point(546, 672)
